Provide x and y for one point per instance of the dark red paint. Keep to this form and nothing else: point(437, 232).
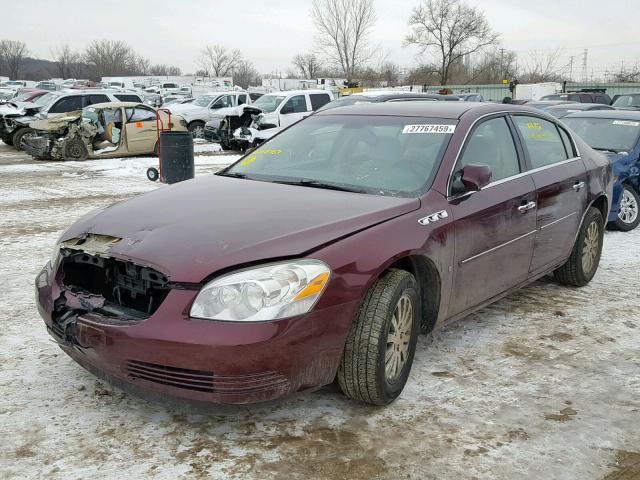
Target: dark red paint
point(195, 230)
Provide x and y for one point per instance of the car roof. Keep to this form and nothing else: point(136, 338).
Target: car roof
point(119, 105)
point(581, 106)
point(386, 96)
point(612, 114)
point(297, 92)
point(450, 110)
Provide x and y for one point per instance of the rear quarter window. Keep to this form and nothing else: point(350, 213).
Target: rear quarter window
point(318, 100)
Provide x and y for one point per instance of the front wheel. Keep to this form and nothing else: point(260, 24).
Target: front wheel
point(628, 217)
point(19, 137)
point(196, 129)
point(585, 256)
point(381, 344)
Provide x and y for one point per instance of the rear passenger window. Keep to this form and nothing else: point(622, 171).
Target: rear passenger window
point(128, 98)
point(318, 100)
point(242, 99)
point(92, 99)
point(140, 115)
point(492, 144)
point(542, 140)
point(67, 104)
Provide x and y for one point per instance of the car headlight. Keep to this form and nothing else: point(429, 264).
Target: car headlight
point(269, 292)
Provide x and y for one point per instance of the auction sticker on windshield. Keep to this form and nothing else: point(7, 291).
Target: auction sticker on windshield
point(627, 123)
point(429, 129)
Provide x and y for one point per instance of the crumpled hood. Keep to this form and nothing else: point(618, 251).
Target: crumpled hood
point(195, 228)
point(18, 109)
point(184, 108)
point(56, 123)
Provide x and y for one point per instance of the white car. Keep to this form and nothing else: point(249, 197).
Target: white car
point(205, 108)
point(284, 108)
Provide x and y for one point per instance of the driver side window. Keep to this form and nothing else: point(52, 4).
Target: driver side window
point(297, 104)
point(223, 102)
point(491, 144)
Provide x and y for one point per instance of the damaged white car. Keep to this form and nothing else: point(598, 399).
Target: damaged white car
point(240, 128)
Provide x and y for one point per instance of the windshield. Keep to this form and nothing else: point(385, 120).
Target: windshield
point(268, 103)
point(560, 112)
point(45, 99)
point(381, 155)
point(344, 101)
point(606, 133)
point(627, 101)
point(204, 100)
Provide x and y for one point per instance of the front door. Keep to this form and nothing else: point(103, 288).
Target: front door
point(560, 179)
point(294, 109)
point(141, 129)
point(495, 227)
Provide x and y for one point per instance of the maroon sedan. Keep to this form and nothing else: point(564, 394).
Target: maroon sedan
point(325, 252)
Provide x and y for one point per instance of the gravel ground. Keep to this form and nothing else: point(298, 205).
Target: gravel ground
point(543, 384)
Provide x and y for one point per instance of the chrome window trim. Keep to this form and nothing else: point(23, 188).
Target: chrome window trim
point(513, 240)
point(521, 174)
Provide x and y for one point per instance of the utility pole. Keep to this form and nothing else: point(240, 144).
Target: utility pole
point(502, 64)
point(571, 68)
point(585, 72)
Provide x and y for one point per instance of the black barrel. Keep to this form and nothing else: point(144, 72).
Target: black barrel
point(176, 156)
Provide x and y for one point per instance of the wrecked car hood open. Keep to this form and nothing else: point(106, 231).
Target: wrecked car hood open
point(56, 123)
point(18, 109)
point(191, 230)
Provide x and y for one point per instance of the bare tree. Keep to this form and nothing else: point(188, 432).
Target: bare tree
point(308, 64)
point(66, 61)
point(245, 74)
point(541, 67)
point(109, 58)
point(494, 66)
point(12, 56)
point(217, 61)
point(452, 29)
point(343, 29)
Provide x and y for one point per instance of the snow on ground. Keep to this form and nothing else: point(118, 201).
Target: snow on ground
point(543, 384)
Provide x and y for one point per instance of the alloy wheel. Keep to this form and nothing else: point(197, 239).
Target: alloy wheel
point(590, 247)
point(628, 207)
point(398, 338)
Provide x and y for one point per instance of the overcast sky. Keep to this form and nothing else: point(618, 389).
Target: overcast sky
point(271, 32)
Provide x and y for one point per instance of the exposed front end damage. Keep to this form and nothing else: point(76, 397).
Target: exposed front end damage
point(13, 117)
point(243, 128)
point(127, 322)
point(60, 138)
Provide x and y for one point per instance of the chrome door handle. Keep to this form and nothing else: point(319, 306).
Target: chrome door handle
point(578, 186)
point(526, 207)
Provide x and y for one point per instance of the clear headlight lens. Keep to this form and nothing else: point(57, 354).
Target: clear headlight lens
point(269, 292)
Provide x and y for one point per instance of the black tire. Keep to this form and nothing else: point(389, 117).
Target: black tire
point(156, 149)
point(153, 174)
point(7, 139)
point(195, 126)
point(18, 135)
point(225, 146)
point(75, 149)
point(362, 371)
point(574, 272)
point(634, 203)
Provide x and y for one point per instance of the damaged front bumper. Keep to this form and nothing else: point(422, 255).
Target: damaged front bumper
point(164, 351)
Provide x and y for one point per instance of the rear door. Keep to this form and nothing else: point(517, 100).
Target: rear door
point(495, 227)
point(141, 129)
point(560, 179)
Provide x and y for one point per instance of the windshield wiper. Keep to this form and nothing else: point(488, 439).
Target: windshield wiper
point(233, 174)
point(319, 184)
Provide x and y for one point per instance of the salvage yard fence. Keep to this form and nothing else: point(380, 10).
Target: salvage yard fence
point(497, 92)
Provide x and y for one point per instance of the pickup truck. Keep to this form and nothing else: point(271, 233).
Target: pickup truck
point(205, 107)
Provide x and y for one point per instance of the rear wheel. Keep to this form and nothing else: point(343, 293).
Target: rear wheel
point(628, 215)
point(75, 150)
point(197, 129)
point(19, 136)
point(381, 344)
point(585, 256)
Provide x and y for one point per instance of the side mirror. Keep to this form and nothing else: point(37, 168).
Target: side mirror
point(475, 177)
point(286, 109)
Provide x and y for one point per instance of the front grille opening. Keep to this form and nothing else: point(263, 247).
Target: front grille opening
point(124, 285)
point(198, 380)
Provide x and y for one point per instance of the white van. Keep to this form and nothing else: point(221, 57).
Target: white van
point(284, 108)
